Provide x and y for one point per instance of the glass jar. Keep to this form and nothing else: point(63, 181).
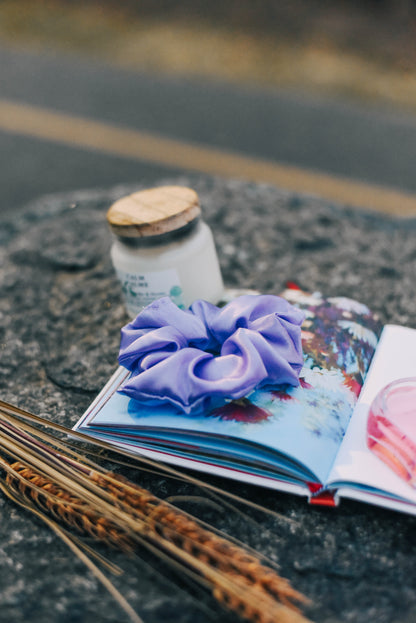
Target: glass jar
point(391, 428)
point(162, 247)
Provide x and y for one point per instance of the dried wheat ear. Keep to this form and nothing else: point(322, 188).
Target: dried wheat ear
point(76, 496)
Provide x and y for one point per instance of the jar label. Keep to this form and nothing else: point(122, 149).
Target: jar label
point(141, 289)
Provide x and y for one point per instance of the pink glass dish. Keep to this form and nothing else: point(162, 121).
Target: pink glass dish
point(391, 428)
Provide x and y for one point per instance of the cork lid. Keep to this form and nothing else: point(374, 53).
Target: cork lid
point(154, 211)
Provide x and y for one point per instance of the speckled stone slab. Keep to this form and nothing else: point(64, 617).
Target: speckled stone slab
point(60, 316)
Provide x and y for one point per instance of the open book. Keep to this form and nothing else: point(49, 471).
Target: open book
point(309, 440)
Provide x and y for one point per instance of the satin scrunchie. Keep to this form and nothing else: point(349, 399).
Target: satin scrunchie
point(188, 357)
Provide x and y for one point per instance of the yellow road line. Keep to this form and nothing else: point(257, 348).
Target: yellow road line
point(74, 131)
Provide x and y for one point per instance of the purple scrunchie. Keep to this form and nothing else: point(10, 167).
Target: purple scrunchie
point(187, 357)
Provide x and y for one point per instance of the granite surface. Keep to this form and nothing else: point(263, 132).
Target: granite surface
point(60, 317)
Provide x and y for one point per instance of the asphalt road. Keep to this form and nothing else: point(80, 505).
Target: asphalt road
point(342, 140)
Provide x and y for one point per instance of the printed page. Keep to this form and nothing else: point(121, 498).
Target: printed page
point(295, 426)
point(306, 424)
point(356, 464)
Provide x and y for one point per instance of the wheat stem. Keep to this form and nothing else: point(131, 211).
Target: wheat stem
point(13, 411)
point(112, 509)
point(70, 542)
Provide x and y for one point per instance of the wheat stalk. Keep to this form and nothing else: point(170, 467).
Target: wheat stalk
point(93, 502)
point(106, 450)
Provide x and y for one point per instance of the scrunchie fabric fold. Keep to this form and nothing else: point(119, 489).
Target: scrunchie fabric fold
point(188, 357)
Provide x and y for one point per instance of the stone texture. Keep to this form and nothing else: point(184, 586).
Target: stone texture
point(60, 317)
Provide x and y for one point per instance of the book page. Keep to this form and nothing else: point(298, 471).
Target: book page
point(265, 429)
point(296, 430)
point(356, 464)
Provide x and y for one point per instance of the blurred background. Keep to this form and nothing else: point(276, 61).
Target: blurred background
point(326, 87)
point(362, 49)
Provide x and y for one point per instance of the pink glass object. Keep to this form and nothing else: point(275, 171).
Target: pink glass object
point(391, 428)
